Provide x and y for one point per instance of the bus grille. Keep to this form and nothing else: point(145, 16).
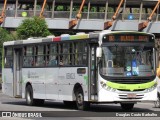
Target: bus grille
point(130, 90)
point(124, 96)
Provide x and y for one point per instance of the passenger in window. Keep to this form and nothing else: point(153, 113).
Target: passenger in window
point(52, 61)
point(61, 63)
point(37, 64)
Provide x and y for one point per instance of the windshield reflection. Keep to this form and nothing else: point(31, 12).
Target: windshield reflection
point(120, 61)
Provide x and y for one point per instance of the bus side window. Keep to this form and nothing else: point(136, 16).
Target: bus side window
point(39, 55)
point(61, 62)
point(67, 54)
point(28, 60)
point(52, 58)
point(77, 53)
point(71, 51)
point(80, 53)
point(47, 54)
point(36, 55)
point(8, 58)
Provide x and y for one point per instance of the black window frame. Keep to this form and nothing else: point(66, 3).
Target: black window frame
point(58, 54)
point(8, 56)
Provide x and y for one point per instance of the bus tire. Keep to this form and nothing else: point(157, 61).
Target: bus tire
point(29, 96)
point(80, 103)
point(127, 106)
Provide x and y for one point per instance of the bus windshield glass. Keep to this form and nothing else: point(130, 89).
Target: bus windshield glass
point(127, 61)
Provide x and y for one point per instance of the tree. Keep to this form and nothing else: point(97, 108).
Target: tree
point(4, 36)
point(33, 27)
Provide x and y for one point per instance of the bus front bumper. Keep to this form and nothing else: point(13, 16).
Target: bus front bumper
point(120, 96)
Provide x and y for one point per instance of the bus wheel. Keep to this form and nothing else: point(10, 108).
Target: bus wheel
point(127, 106)
point(29, 96)
point(80, 103)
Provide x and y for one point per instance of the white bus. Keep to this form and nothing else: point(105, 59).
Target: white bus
point(98, 67)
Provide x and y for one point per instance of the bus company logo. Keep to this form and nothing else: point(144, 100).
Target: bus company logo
point(32, 75)
point(6, 114)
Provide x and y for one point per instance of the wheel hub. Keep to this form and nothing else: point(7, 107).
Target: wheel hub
point(28, 97)
point(80, 99)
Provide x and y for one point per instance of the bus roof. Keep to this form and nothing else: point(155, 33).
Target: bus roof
point(65, 37)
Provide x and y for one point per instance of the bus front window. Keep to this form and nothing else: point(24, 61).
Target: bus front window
point(120, 61)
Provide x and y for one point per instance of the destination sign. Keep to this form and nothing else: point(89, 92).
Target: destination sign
point(128, 38)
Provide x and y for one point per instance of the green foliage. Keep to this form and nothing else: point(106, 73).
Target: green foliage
point(59, 8)
point(14, 35)
point(33, 27)
point(4, 36)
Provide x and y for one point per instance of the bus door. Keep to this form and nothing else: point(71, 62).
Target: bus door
point(92, 72)
point(17, 72)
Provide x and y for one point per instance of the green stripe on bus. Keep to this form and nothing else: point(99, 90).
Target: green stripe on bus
point(86, 79)
point(130, 87)
point(75, 37)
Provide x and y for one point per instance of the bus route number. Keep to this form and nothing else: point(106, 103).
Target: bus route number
point(70, 75)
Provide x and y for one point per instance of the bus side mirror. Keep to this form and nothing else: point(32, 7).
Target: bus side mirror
point(99, 52)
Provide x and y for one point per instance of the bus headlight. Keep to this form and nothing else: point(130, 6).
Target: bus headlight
point(151, 88)
point(108, 88)
point(113, 90)
point(103, 84)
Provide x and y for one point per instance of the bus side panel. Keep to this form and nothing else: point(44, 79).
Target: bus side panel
point(24, 81)
point(66, 81)
point(54, 83)
point(68, 77)
point(51, 75)
point(7, 85)
point(36, 76)
point(84, 82)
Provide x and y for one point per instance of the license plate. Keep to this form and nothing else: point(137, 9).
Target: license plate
point(131, 95)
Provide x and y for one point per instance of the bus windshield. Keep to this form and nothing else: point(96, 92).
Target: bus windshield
point(127, 61)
